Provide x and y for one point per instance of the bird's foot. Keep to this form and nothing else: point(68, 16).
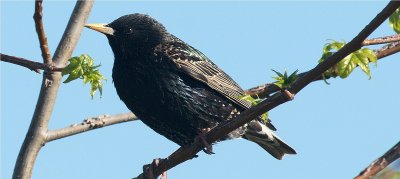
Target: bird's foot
point(148, 170)
point(202, 137)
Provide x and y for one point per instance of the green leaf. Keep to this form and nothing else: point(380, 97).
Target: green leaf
point(72, 76)
point(279, 74)
point(73, 65)
point(284, 81)
point(360, 58)
point(394, 21)
point(264, 117)
point(362, 61)
point(100, 87)
point(249, 99)
point(345, 67)
point(370, 55)
point(255, 101)
point(293, 77)
point(335, 45)
point(83, 67)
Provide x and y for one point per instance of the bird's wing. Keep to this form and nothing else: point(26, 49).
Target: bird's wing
point(198, 66)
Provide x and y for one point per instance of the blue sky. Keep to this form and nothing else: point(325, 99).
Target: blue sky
point(337, 129)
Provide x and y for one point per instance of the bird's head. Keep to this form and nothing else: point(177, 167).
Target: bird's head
point(137, 31)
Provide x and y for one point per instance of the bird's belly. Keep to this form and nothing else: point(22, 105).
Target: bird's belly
point(173, 106)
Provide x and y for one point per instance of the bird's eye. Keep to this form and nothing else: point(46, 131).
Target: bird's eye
point(128, 31)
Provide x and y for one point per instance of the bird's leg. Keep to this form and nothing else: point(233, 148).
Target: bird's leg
point(148, 170)
point(202, 137)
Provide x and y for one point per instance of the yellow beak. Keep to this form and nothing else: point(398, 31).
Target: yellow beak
point(102, 28)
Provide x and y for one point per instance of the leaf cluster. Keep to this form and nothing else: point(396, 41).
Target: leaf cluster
point(284, 80)
point(83, 67)
point(360, 58)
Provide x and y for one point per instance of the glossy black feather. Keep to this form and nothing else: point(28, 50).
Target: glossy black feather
point(174, 88)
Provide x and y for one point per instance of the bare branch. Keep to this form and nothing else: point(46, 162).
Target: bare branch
point(89, 124)
point(34, 66)
point(387, 50)
point(380, 163)
point(44, 47)
point(186, 153)
point(382, 40)
point(262, 91)
point(72, 33)
point(36, 136)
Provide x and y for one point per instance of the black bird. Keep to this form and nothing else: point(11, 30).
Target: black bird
point(174, 88)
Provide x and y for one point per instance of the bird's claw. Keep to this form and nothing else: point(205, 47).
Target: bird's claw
point(201, 136)
point(148, 170)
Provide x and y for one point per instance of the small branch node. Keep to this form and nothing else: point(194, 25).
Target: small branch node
point(289, 96)
point(95, 122)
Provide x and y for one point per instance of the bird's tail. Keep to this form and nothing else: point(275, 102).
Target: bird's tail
point(259, 133)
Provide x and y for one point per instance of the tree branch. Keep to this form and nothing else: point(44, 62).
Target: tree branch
point(186, 153)
point(34, 66)
point(44, 47)
point(387, 50)
point(266, 90)
point(36, 136)
point(89, 124)
point(380, 163)
point(381, 40)
point(72, 33)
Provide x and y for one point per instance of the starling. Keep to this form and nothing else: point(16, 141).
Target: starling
point(174, 88)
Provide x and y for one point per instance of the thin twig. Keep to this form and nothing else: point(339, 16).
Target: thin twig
point(186, 153)
point(89, 124)
point(44, 47)
point(382, 40)
point(379, 164)
point(34, 66)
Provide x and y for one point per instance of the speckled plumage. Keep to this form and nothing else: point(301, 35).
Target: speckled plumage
point(174, 88)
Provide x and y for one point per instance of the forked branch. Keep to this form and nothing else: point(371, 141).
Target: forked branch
point(36, 135)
